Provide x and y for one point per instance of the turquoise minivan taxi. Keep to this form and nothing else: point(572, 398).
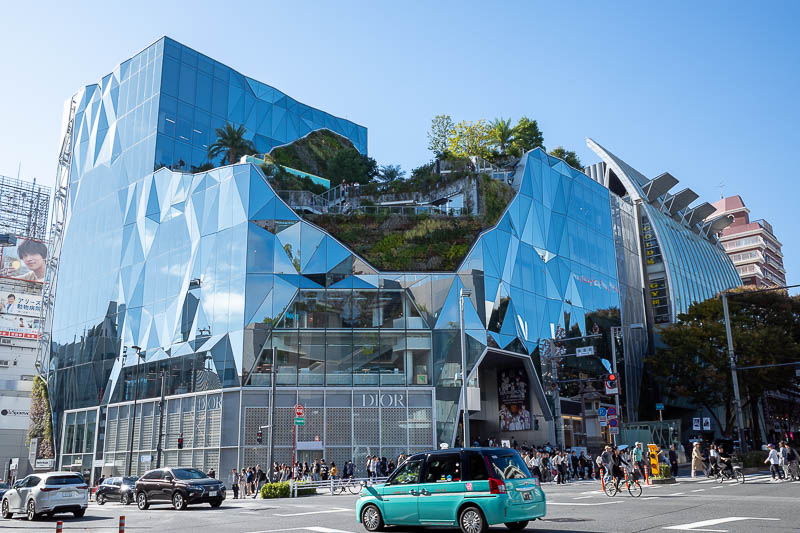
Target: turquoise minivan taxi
point(472, 488)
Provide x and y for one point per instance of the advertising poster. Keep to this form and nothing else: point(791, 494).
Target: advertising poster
point(512, 392)
point(19, 314)
point(26, 261)
point(15, 412)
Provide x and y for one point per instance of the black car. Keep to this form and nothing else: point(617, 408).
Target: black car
point(181, 486)
point(117, 489)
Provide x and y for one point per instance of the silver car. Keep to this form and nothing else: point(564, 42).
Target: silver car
point(48, 494)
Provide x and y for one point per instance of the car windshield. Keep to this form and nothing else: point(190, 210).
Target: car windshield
point(65, 480)
point(129, 480)
point(188, 473)
point(508, 466)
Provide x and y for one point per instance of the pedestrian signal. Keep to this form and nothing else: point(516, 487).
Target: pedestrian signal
point(180, 441)
point(259, 437)
point(612, 384)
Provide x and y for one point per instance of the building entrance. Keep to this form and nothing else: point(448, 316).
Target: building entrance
point(512, 404)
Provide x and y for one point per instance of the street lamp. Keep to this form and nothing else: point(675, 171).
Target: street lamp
point(463, 293)
point(135, 397)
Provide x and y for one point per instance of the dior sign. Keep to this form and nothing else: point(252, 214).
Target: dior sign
point(383, 400)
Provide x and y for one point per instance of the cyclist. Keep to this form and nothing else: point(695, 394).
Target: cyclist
point(617, 471)
point(724, 461)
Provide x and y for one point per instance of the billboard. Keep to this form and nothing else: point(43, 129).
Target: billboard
point(512, 393)
point(15, 412)
point(19, 314)
point(27, 261)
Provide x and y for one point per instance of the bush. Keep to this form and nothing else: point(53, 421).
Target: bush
point(283, 490)
point(664, 472)
point(276, 490)
point(755, 458)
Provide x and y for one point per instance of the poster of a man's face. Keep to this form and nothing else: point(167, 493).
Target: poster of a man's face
point(27, 261)
point(512, 389)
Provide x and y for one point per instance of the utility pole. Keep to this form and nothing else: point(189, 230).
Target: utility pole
point(463, 293)
point(133, 419)
point(615, 330)
point(274, 375)
point(737, 402)
point(161, 406)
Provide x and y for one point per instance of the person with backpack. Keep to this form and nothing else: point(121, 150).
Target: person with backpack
point(323, 470)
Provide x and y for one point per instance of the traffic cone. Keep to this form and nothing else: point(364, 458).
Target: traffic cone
point(59, 525)
point(603, 479)
point(121, 524)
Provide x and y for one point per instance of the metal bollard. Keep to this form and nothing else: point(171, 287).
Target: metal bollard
point(59, 525)
point(122, 524)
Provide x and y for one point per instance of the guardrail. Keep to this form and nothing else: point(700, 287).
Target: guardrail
point(335, 486)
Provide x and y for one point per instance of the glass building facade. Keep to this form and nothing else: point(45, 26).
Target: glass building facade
point(212, 275)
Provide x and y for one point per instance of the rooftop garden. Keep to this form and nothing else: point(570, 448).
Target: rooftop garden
point(393, 242)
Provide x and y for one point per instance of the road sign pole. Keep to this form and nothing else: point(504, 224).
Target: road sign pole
point(737, 402)
point(614, 331)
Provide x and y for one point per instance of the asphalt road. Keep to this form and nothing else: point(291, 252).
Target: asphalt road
point(690, 505)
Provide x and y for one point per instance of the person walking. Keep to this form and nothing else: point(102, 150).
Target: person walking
point(783, 452)
point(673, 460)
point(235, 483)
point(774, 461)
point(334, 471)
point(697, 459)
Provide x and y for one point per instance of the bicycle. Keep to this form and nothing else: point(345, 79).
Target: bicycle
point(349, 485)
point(734, 473)
point(612, 488)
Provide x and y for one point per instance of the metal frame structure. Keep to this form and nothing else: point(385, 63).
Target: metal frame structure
point(24, 207)
point(57, 222)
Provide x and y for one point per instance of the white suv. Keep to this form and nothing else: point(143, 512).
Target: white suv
point(55, 492)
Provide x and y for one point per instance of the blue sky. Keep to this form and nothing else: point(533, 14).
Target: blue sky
point(705, 90)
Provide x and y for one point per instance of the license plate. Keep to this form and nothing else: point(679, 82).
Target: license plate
point(212, 493)
point(68, 494)
point(527, 496)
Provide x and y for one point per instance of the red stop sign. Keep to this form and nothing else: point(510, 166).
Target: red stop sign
point(299, 410)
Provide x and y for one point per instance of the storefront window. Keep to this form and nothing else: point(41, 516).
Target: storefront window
point(339, 358)
point(311, 358)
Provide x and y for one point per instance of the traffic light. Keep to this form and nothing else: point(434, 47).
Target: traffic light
point(612, 384)
point(180, 441)
point(536, 424)
point(259, 437)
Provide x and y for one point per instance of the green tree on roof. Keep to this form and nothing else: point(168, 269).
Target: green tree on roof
point(569, 156)
point(526, 136)
point(230, 142)
point(501, 134)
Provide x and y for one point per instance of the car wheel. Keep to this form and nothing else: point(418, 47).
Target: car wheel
point(125, 499)
point(6, 511)
point(216, 503)
point(371, 518)
point(100, 499)
point(30, 510)
point(178, 501)
point(516, 526)
point(79, 514)
point(141, 501)
point(471, 520)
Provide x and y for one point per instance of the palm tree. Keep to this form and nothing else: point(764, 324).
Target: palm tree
point(391, 172)
point(502, 133)
point(231, 142)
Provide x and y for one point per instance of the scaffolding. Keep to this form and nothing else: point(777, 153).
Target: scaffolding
point(57, 225)
point(24, 207)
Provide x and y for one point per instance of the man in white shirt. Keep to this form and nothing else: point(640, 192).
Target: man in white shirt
point(774, 461)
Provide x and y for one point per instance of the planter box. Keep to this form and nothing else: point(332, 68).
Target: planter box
point(666, 481)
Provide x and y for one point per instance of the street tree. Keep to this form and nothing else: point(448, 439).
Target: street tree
point(352, 167)
point(694, 365)
point(569, 156)
point(526, 136)
point(442, 128)
point(230, 143)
